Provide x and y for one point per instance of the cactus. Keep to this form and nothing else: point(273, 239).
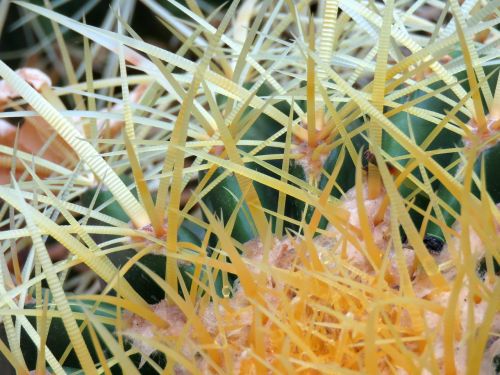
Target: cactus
point(326, 203)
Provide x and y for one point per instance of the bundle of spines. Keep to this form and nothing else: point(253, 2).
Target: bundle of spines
point(330, 149)
point(448, 143)
point(443, 143)
point(142, 273)
point(418, 186)
point(226, 200)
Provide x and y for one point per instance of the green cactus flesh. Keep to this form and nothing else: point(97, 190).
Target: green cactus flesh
point(490, 157)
